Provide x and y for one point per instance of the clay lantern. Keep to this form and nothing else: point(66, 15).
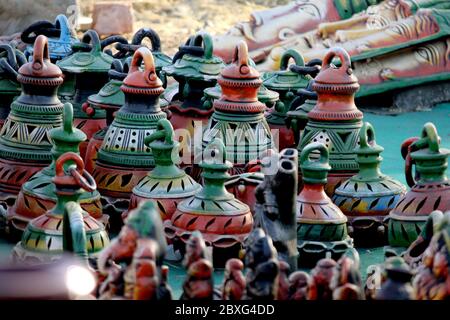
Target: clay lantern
point(321, 225)
point(286, 83)
point(123, 159)
point(110, 98)
point(367, 198)
point(42, 241)
point(25, 146)
point(10, 61)
point(90, 70)
point(38, 194)
point(223, 220)
point(166, 183)
point(335, 120)
point(430, 190)
point(238, 117)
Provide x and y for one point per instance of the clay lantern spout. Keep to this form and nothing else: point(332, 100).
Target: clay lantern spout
point(430, 190)
point(368, 197)
point(25, 146)
point(123, 159)
point(335, 120)
point(321, 225)
point(38, 194)
point(46, 236)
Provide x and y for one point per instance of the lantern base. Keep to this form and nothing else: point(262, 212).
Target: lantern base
point(310, 252)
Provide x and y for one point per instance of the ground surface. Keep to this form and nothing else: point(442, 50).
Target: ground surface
point(176, 20)
point(391, 131)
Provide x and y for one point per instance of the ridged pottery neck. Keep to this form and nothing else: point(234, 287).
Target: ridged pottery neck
point(141, 104)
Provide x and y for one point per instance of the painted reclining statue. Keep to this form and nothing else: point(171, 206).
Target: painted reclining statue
point(376, 19)
point(267, 28)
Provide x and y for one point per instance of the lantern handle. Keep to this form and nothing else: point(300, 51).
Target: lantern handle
point(151, 34)
point(91, 36)
point(144, 54)
point(40, 53)
point(429, 138)
point(241, 57)
point(322, 162)
point(81, 176)
point(62, 23)
point(68, 117)
point(164, 131)
point(367, 136)
point(342, 54)
point(205, 39)
point(294, 54)
point(406, 149)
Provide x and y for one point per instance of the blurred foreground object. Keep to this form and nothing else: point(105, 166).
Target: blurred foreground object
point(111, 18)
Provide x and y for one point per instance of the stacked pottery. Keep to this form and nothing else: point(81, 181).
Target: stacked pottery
point(25, 146)
point(10, 62)
point(42, 241)
point(335, 120)
point(166, 184)
point(321, 225)
point(60, 37)
point(286, 83)
point(238, 117)
point(38, 194)
point(430, 190)
point(90, 70)
point(367, 198)
point(110, 98)
point(123, 159)
point(223, 220)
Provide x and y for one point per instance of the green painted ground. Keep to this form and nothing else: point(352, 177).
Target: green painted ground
point(391, 131)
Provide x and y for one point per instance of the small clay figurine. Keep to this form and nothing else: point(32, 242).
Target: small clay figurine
point(234, 281)
point(198, 284)
point(133, 261)
point(283, 280)
point(346, 282)
point(299, 282)
point(321, 277)
point(275, 210)
point(433, 277)
point(397, 285)
point(263, 267)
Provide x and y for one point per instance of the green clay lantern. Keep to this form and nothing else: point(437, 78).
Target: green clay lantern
point(25, 143)
point(46, 236)
point(166, 184)
point(368, 197)
point(430, 190)
point(286, 83)
point(321, 225)
point(223, 220)
point(10, 61)
point(195, 68)
point(238, 117)
point(38, 194)
point(124, 159)
point(335, 120)
point(90, 70)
